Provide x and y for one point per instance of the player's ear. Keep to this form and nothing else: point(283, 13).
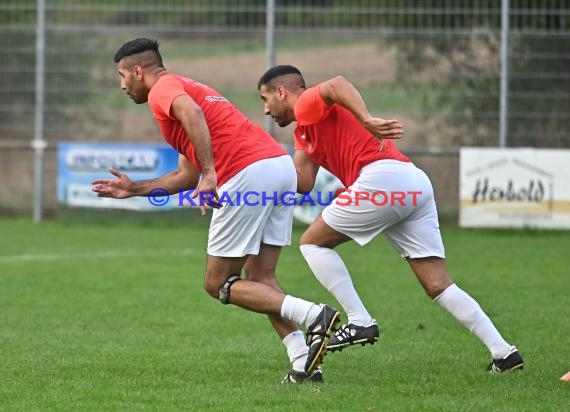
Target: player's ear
point(281, 92)
point(138, 71)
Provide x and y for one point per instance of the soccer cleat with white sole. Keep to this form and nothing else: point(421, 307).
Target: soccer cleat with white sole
point(318, 334)
point(351, 334)
point(511, 362)
point(301, 377)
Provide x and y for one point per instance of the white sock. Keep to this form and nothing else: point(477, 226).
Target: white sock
point(331, 272)
point(467, 311)
point(296, 349)
point(299, 311)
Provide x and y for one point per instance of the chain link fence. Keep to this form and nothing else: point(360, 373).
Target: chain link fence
point(433, 64)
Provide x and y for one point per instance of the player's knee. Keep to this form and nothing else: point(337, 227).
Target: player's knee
point(436, 287)
point(212, 288)
point(221, 292)
point(212, 285)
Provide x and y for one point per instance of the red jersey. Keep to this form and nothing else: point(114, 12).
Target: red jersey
point(334, 139)
point(236, 141)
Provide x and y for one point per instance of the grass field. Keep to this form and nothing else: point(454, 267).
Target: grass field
point(112, 316)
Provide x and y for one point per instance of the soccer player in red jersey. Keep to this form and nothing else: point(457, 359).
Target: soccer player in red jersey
point(335, 130)
point(232, 155)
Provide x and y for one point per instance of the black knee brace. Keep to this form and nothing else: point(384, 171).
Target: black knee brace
point(224, 291)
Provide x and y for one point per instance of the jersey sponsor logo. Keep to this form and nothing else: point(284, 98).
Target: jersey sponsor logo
point(216, 99)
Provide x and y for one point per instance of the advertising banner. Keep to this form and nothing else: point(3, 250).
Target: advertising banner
point(81, 163)
point(514, 188)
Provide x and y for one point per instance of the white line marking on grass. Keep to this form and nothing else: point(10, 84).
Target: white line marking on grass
point(30, 257)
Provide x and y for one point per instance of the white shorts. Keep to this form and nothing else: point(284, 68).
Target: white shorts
point(392, 197)
point(250, 216)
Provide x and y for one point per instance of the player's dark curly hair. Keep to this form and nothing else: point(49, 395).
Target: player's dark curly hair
point(276, 71)
point(137, 46)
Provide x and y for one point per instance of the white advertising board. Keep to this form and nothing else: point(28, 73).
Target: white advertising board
point(514, 188)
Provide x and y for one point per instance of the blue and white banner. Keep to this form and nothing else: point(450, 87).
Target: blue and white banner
point(81, 163)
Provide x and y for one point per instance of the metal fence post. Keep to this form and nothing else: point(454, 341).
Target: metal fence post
point(39, 144)
point(504, 99)
point(270, 45)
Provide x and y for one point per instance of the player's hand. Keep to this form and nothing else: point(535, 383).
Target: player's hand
point(384, 129)
point(207, 190)
point(118, 188)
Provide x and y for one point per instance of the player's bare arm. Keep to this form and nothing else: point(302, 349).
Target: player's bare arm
point(185, 177)
point(306, 171)
point(341, 91)
point(190, 115)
